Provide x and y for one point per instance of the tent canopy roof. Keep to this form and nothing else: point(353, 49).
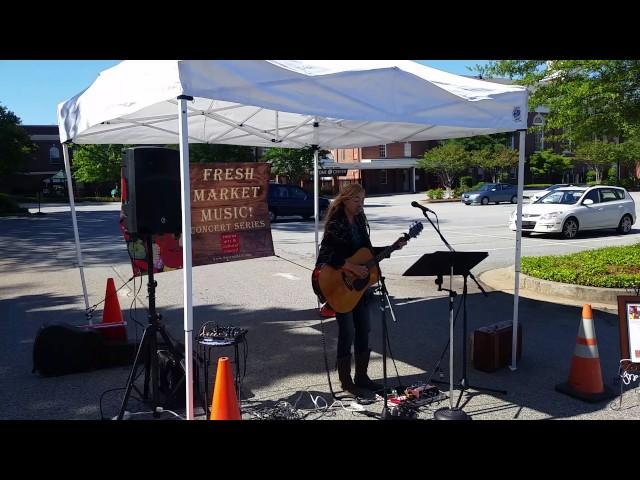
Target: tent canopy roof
point(274, 103)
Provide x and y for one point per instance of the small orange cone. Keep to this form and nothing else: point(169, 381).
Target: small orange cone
point(112, 321)
point(585, 377)
point(225, 404)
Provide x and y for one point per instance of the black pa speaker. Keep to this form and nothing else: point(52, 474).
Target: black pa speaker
point(151, 191)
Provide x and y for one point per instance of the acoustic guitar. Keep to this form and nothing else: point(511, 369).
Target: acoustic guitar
point(341, 289)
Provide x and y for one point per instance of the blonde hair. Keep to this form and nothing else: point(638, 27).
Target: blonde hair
point(347, 192)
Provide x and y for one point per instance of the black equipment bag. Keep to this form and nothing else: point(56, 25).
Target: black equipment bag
point(60, 349)
point(172, 380)
point(172, 385)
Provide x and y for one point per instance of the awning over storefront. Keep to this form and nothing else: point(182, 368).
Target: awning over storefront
point(372, 164)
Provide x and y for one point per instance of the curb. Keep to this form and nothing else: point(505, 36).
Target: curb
point(568, 294)
point(441, 200)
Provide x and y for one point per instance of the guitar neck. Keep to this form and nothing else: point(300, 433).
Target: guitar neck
point(378, 258)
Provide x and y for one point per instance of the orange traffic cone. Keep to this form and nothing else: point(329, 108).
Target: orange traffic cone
point(585, 377)
point(112, 326)
point(225, 404)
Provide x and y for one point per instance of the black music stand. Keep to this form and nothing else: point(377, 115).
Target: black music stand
point(452, 263)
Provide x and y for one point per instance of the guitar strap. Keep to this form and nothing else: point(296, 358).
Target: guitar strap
point(314, 283)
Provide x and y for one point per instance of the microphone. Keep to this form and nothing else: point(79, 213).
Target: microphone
point(424, 209)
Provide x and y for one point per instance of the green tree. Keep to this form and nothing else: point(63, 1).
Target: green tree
point(447, 161)
point(598, 156)
point(630, 152)
point(505, 158)
point(495, 158)
point(294, 163)
point(482, 141)
point(15, 144)
point(547, 164)
point(205, 153)
point(585, 97)
point(97, 163)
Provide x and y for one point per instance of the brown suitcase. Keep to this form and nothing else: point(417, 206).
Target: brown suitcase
point(491, 346)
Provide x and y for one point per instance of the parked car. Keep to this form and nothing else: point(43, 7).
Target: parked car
point(538, 195)
point(491, 192)
point(287, 200)
point(571, 209)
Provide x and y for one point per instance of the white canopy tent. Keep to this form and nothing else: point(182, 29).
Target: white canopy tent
point(327, 104)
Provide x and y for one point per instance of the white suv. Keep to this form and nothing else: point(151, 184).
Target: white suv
point(570, 209)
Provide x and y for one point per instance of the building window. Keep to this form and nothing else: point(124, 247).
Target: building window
point(537, 140)
point(382, 151)
point(407, 149)
point(383, 177)
point(54, 154)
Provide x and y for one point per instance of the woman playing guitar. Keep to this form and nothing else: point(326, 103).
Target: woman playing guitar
point(346, 232)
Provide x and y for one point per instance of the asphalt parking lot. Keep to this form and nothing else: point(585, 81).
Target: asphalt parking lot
point(271, 297)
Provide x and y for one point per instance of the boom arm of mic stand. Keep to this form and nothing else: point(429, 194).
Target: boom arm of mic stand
point(438, 231)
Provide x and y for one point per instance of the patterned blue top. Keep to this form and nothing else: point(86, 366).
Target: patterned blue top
point(358, 241)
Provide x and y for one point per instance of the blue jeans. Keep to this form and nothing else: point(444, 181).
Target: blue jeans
point(353, 328)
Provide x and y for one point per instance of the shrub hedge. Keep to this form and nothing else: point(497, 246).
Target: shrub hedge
point(9, 206)
point(610, 267)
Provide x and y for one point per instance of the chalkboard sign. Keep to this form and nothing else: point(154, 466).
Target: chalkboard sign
point(629, 316)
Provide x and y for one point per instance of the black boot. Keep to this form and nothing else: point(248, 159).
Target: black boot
point(362, 379)
point(344, 374)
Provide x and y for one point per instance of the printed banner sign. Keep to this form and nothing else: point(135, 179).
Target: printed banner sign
point(229, 212)
point(229, 219)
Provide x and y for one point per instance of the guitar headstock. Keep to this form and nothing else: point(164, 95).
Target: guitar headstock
point(415, 229)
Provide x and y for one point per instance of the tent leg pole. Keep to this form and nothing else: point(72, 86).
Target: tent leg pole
point(186, 252)
point(516, 287)
point(316, 194)
point(316, 183)
point(67, 168)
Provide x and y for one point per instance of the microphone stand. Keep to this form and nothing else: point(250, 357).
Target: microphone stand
point(451, 413)
point(384, 295)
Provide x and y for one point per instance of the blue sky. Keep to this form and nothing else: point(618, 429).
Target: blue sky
point(32, 89)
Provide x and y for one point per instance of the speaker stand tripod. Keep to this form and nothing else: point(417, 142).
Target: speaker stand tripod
point(148, 347)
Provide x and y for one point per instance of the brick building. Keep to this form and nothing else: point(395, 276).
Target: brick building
point(381, 169)
point(43, 164)
point(392, 168)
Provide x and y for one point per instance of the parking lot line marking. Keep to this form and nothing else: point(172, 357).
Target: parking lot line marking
point(288, 276)
point(407, 256)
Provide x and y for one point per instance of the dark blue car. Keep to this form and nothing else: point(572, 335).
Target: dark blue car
point(289, 200)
